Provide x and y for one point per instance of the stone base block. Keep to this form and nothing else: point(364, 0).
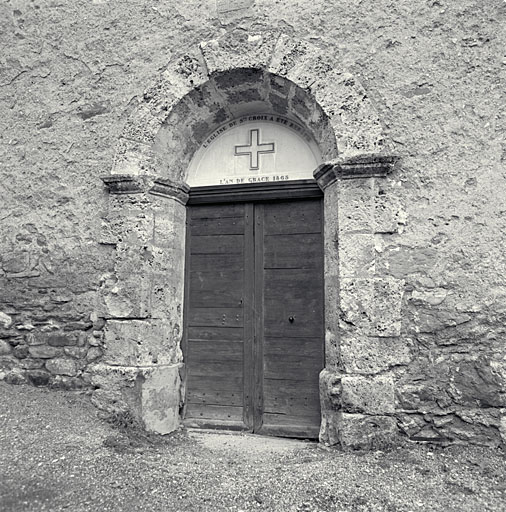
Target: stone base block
point(369, 395)
point(362, 432)
point(151, 394)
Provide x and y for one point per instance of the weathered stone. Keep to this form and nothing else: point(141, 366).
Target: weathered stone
point(75, 352)
point(357, 255)
point(479, 382)
point(25, 327)
point(434, 320)
point(8, 362)
point(44, 352)
point(239, 50)
point(433, 297)
point(449, 186)
point(65, 382)
point(411, 424)
point(150, 394)
point(224, 6)
point(129, 295)
point(366, 355)
point(161, 398)
point(21, 351)
point(95, 341)
point(143, 343)
point(355, 206)
point(31, 339)
point(15, 263)
point(389, 213)
point(401, 261)
point(60, 366)
point(38, 377)
point(367, 395)
point(372, 305)
point(5, 320)
point(60, 340)
point(93, 354)
point(502, 429)
point(362, 432)
point(329, 427)
point(330, 400)
point(5, 348)
point(15, 376)
point(98, 322)
point(32, 364)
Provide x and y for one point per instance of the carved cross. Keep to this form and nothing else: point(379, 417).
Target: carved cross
point(254, 149)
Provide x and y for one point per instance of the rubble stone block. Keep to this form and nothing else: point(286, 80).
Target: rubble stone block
point(61, 366)
point(5, 348)
point(60, 340)
point(44, 352)
point(21, 351)
point(15, 376)
point(5, 320)
point(38, 377)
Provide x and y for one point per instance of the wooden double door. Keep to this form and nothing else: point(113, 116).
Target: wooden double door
point(254, 325)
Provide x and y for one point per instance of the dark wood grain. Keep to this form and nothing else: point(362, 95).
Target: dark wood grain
point(300, 251)
point(218, 226)
point(217, 244)
point(289, 217)
point(254, 316)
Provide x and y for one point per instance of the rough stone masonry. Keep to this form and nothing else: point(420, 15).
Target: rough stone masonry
point(103, 105)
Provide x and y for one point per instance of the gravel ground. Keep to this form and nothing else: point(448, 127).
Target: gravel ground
point(55, 454)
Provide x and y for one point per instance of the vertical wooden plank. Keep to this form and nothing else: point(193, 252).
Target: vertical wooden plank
point(258, 339)
point(293, 306)
point(322, 274)
point(186, 305)
point(214, 318)
point(248, 312)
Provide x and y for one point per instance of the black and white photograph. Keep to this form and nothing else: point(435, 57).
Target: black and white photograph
point(252, 255)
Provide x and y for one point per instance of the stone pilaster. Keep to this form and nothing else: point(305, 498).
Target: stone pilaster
point(362, 309)
point(142, 301)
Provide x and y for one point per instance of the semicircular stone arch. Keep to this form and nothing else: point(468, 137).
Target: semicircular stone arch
point(243, 73)
point(141, 300)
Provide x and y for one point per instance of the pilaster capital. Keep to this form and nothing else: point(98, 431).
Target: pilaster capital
point(132, 184)
point(123, 183)
point(359, 166)
point(165, 187)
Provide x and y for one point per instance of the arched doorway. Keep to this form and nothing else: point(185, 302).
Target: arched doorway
point(254, 322)
point(143, 368)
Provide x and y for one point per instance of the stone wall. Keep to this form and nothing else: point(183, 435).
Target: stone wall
point(426, 241)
